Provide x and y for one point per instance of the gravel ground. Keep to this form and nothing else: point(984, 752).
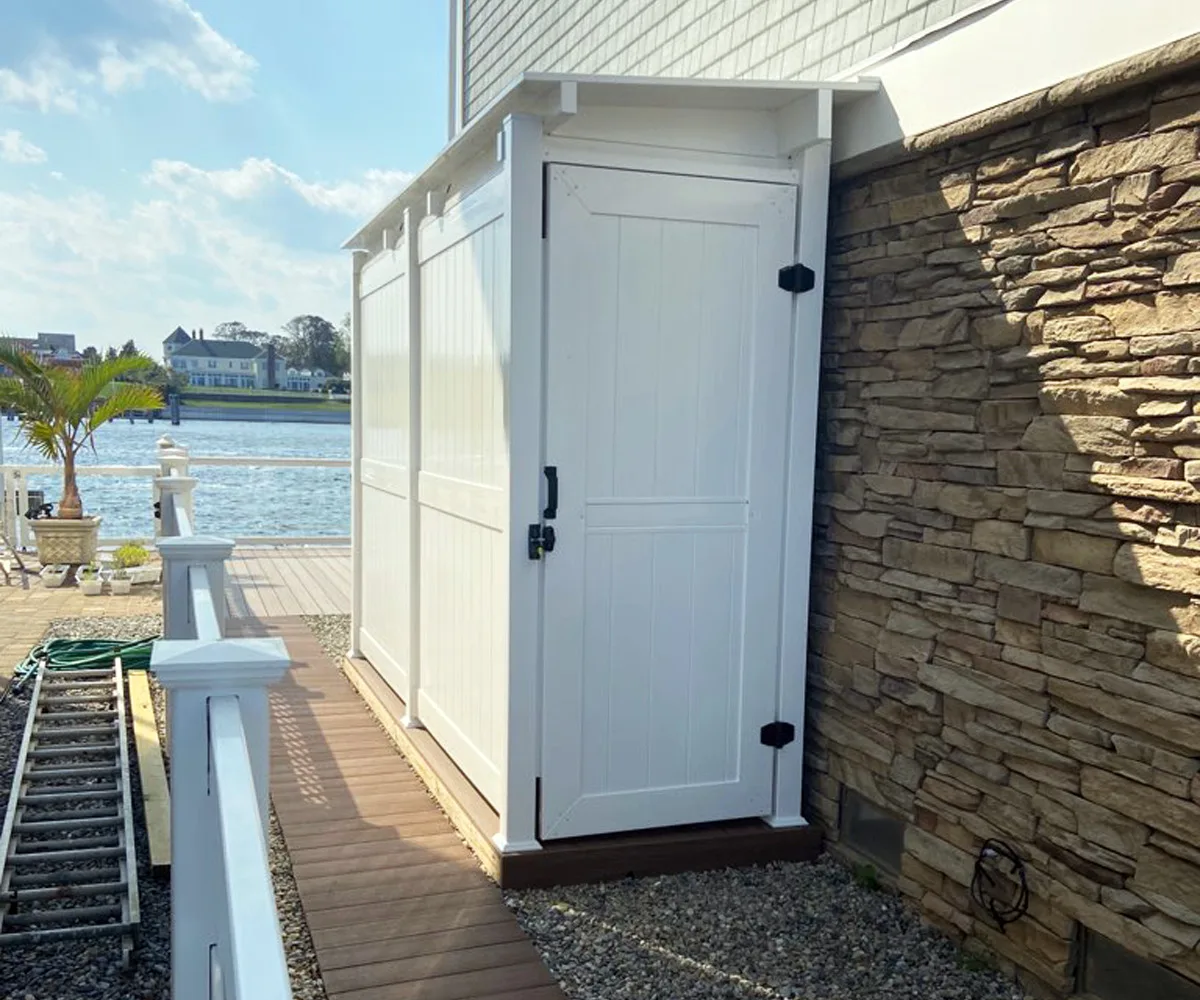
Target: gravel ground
point(332, 632)
point(803, 931)
point(86, 970)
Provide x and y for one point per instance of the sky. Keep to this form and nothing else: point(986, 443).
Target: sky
point(173, 163)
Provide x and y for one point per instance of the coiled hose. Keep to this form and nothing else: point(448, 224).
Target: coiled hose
point(81, 654)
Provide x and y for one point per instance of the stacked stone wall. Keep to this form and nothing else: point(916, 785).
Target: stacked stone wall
point(1006, 579)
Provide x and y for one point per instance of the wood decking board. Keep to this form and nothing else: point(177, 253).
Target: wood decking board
point(397, 907)
point(279, 582)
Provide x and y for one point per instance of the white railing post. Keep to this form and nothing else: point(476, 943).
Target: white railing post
point(175, 493)
point(193, 672)
point(178, 555)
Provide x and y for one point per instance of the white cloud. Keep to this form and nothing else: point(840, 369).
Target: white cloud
point(193, 54)
point(355, 198)
point(108, 272)
point(166, 37)
point(49, 84)
point(15, 148)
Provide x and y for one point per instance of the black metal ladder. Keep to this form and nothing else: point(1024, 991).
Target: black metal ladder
point(70, 866)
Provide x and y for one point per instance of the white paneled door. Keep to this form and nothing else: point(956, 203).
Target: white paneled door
point(668, 355)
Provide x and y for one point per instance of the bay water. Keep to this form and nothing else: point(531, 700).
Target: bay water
point(230, 500)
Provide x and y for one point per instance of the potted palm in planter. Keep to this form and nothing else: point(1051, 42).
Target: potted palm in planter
point(59, 410)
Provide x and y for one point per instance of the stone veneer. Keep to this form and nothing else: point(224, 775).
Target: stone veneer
point(1006, 579)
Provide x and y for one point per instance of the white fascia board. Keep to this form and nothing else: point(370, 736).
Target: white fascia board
point(556, 96)
point(997, 52)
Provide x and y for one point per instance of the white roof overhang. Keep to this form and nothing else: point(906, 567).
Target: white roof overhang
point(804, 115)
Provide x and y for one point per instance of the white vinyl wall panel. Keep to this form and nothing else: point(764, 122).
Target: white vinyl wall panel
point(751, 39)
point(462, 485)
point(385, 435)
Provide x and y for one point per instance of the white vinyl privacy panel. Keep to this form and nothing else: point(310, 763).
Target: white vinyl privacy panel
point(667, 378)
point(384, 303)
point(463, 483)
point(727, 39)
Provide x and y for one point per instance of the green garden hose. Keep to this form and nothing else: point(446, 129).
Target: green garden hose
point(83, 654)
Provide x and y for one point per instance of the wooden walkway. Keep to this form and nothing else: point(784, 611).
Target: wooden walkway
point(279, 582)
point(397, 906)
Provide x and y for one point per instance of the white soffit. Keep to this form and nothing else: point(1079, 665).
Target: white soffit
point(553, 95)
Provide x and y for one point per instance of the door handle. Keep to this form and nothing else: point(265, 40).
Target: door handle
point(551, 510)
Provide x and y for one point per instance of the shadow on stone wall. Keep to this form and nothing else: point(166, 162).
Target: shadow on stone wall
point(1006, 580)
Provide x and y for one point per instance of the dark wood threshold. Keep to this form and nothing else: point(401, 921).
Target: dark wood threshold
point(583, 859)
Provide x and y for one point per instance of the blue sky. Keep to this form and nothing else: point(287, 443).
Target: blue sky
point(186, 162)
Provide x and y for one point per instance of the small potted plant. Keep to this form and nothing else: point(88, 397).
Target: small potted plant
point(90, 581)
point(134, 558)
point(53, 576)
point(59, 410)
point(120, 581)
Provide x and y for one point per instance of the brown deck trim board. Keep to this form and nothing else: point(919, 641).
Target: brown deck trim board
point(396, 904)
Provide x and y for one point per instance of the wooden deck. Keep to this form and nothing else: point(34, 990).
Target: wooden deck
point(280, 582)
point(398, 907)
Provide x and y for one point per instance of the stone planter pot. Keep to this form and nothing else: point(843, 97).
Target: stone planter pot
point(65, 540)
point(146, 574)
point(53, 576)
point(91, 587)
point(120, 585)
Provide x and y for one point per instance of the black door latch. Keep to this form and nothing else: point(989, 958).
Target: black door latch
point(777, 734)
point(541, 540)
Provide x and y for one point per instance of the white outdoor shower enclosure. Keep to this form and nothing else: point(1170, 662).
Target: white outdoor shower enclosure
point(572, 326)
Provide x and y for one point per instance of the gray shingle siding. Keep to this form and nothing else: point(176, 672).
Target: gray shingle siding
point(756, 39)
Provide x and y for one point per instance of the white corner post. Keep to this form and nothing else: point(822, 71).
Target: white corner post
point(193, 672)
point(412, 247)
point(801, 463)
point(178, 555)
point(356, 435)
point(521, 145)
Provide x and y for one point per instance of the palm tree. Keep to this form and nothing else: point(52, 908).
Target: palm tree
point(60, 408)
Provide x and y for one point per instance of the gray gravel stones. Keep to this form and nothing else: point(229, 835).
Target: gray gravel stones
point(802, 931)
point(332, 632)
point(90, 970)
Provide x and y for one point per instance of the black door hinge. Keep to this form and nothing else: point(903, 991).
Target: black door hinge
point(777, 734)
point(158, 510)
point(541, 540)
point(797, 278)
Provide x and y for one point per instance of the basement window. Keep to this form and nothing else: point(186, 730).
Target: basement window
point(871, 831)
point(1109, 972)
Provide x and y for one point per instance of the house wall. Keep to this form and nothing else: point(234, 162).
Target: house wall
point(1006, 613)
point(753, 39)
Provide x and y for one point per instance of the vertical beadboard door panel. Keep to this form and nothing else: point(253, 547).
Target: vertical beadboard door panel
point(385, 345)
point(462, 485)
point(668, 348)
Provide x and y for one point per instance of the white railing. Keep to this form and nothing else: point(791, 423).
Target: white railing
point(225, 937)
point(14, 487)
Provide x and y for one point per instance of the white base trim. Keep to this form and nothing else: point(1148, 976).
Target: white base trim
point(515, 847)
point(785, 822)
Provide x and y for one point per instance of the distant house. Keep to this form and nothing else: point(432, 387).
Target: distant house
point(304, 380)
point(48, 348)
point(233, 364)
